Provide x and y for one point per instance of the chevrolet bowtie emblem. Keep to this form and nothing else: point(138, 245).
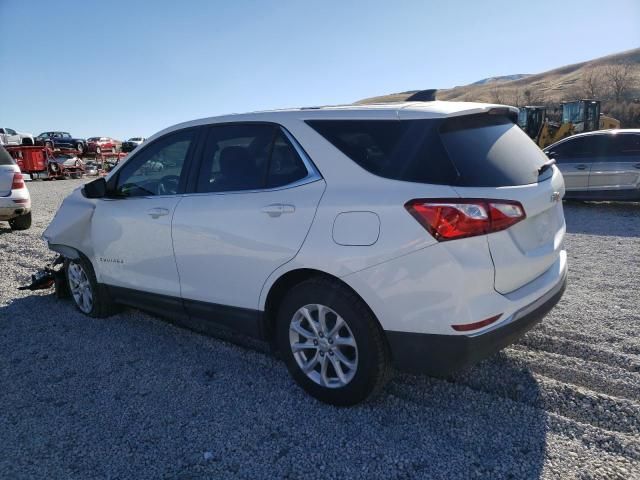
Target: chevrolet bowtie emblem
point(555, 196)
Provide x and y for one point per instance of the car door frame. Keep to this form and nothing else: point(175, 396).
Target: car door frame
point(567, 165)
point(207, 316)
point(163, 305)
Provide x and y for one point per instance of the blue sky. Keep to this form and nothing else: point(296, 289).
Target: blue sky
point(127, 68)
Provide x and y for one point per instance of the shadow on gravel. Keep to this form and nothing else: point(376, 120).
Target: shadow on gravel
point(136, 397)
point(603, 218)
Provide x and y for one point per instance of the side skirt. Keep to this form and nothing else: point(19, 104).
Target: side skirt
point(200, 316)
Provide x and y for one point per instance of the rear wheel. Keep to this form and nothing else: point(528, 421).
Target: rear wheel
point(80, 148)
point(89, 297)
point(98, 150)
point(23, 222)
point(331, 343)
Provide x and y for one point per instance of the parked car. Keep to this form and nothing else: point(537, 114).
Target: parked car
point(15, 202)
point(61, 140)
point(600, 165)
point(66, 165)
point(421, 235)
point(90, 168)
point(8, 136)
point(102, 144)
point(131, 144)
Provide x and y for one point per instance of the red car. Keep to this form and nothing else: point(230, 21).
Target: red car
point(102, 144)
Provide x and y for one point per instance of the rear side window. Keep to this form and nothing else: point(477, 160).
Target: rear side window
point(248, 157)
point(5, 158)
point(473, 150)
point(401, 150)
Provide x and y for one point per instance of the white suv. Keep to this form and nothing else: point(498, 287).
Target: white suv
point(15, 202)
point(420, 235)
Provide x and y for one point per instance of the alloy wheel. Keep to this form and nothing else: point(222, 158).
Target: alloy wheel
point(80, 287)
point(323, 346)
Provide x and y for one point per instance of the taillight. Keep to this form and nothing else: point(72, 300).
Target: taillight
point(448, 219)
point(18, 181)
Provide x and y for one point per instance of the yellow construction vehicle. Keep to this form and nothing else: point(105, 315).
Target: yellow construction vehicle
point(577, 116)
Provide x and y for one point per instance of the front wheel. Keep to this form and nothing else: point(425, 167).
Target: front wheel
point(89, 297)
point(331, 343)
point(80, 148)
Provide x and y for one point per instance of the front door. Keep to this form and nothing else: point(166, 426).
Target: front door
point(254, 202)
point(131, 229)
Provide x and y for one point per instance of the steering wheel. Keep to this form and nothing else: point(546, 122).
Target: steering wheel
point(168, 185)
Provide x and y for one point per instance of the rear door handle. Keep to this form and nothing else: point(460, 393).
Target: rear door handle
point(277, 209)
point(581, 167)
point(157, 212)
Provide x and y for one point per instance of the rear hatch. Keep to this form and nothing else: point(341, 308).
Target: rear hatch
point(482, 155)
point(495, 159)
point(7, 169)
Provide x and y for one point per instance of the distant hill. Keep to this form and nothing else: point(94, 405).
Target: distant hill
point(550, 87)
point(504, 78)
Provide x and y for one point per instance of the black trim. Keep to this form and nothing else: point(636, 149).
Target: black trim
point(200, 316)
point(441, 355)
point(603, 195)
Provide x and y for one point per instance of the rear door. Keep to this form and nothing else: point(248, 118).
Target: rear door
point(7, 170)
point(617, 164)
point(574, 157)
point(252, 205)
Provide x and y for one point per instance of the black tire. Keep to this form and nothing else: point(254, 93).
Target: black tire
point(80, 148)
point(23, 222)
point(102, 305)
point(48, 145)
point(27, 141)
point(373, 368)
point(98, 150)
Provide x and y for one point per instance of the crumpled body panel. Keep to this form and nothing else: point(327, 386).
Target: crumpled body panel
point(71, 226)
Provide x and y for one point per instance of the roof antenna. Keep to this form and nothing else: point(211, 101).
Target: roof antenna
point(423, 96)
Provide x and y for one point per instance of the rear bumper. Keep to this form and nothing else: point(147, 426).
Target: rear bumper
point(441, 355)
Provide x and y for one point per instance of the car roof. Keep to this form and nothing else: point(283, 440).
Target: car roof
point(434, 109)
point(610, 131)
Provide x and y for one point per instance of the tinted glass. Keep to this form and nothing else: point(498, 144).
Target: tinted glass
point(285, 165)
point(10, 131)
point(236, 158)
point(156, 170)
point(472, 150)
point(5, 158)
point(585, 149)
point(401, 150)
point(629, 144)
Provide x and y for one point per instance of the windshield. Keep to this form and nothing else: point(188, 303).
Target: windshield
point(573, 112)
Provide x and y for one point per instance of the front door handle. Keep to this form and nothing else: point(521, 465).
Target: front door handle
point(581, 167)
point(277, 209)
point(157, 212)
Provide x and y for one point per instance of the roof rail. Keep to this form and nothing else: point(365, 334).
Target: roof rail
point(423, 96)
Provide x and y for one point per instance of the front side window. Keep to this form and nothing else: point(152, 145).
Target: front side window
point(11, 131)
point(157, 169)
point(629, 144)
point(248, 157)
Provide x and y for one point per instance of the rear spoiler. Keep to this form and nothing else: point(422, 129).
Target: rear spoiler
point(506, 112)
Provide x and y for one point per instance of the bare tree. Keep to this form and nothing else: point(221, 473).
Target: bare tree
point(517, 97)
point(497, 95)
point(593, 82)
point(619, 79)
point(531, 97)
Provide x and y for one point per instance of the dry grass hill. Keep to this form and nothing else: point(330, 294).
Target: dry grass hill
point(614, 79)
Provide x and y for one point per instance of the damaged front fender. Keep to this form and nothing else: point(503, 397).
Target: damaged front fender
point(69, 233)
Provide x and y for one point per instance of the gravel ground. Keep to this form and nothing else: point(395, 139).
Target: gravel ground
point(136, 397)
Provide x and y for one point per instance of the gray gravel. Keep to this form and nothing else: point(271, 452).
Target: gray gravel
point(136, 397)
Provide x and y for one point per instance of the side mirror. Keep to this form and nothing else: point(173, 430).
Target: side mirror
point(96, 189)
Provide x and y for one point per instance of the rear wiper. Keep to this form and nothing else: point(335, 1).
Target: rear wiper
point(546, 165)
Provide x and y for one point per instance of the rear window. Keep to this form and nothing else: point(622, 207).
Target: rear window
point(473, 150)
point(5, 158)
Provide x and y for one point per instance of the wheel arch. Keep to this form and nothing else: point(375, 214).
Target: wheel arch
point(286, 282)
